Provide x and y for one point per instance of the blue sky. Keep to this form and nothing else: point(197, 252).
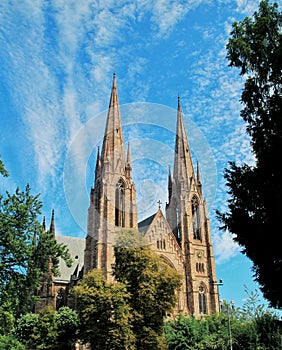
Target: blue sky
point(57, 60)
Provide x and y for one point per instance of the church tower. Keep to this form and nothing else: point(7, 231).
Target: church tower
point(113, 197)
point(187, 215)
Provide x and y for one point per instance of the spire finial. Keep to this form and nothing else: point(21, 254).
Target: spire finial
point(159, 203)
point(114, 96)
point(178, 103)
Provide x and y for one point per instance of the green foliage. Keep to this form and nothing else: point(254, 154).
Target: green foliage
point(24, 249)
point(3, 171)
point(104, 313)
point(130, 239)
point(48, 329)
point(27, 327)
point(151, 284)
point(47, 247)
point(18, 225)
point(7, 320)
point(216, 331)
point(255, 205)
point(9, 342)
point(250, 327)
point(67, 321)
point(269, 330)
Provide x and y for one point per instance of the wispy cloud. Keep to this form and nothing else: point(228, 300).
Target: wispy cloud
point(57, 62)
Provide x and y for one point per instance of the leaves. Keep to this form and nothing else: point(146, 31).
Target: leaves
point(49, 329)
point(151, 284)
point(25, 249)
point(260, 330)
point(3, 171)
point(104, 312)
point(254, 207)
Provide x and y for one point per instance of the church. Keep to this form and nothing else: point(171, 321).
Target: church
point(181, 236)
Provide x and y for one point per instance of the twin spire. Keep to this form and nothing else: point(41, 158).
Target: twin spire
point(113, 151)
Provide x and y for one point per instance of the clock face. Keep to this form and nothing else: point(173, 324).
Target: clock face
point(199, 254)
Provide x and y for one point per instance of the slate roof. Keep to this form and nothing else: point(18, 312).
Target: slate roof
point(76, 247)
point(144, 224)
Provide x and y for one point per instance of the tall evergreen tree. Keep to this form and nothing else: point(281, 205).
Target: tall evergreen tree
point(255, 204)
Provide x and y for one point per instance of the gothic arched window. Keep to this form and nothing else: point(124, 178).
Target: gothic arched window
point(120, 204)
point(202, 300)
point(196, 219)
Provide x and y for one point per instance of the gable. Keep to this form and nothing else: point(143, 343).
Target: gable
point(162, 240)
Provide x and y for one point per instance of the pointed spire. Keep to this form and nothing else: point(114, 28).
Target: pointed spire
point(183, 167)
point(114, 95)
point(169, 184)
point(44, 224)
point(52, 224)
point(199, 182)
point(113, 144)
point(179, 104)
point(97, 168)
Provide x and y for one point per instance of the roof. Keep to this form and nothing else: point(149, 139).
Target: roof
point(76, 248)
point(144, 224)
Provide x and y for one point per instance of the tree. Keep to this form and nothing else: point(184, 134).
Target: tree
point(9, 342)
point(3, 171)
point(151, 285)
point(214, 332)
point(27, 328)
point(50, 329)
point(255, 204)
point(24, 249)
point(67, 321)
point(104, 313)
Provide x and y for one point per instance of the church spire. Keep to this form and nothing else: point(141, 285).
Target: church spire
point(113, 144)
point(44, 224)
point(114, 95)
point(52, 224)
point(183, 167)
point(199, 182)
point(113, 198)
point(169, 184)
point(98, 163)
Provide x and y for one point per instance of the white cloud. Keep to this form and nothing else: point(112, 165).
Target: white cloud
point(224, 247)
point(247, 7)
point(58, 60)
point(166, 14)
